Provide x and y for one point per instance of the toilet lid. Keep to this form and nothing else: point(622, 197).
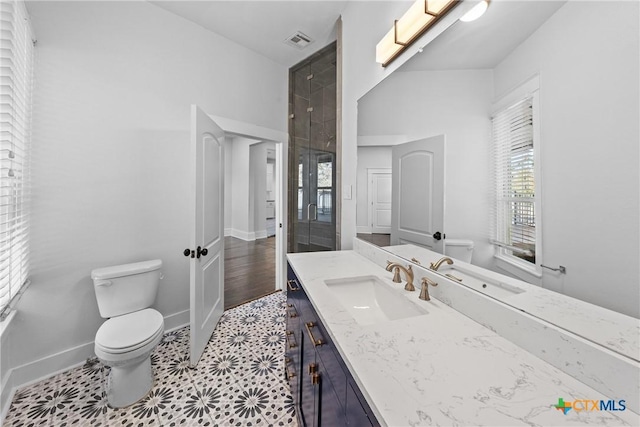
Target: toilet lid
point(129, 331)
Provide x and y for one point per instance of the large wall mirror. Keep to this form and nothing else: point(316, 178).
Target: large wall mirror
point(584, 58)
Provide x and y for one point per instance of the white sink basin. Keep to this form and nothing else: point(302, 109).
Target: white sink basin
point(370, 300)
point(481, 283)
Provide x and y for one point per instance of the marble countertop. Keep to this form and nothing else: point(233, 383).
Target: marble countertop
point(616, 331)
point(442, 368)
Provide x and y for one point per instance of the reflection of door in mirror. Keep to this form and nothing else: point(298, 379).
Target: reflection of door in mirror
point(417, 214)
point(379, 200)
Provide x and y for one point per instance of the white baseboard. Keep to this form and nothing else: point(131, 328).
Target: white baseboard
point(41, 369)
point(228, 232)
point(243, 235)
point(262, 234)
point(177, 320)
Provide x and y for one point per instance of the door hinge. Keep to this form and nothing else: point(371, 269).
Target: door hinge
point(310, 76)
point(310, 109)
point(292, 116)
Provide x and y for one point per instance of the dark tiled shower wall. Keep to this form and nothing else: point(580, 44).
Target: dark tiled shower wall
point(315, 130)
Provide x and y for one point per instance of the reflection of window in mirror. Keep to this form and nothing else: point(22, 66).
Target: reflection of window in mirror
point(300, 192)
point(515, 144)
point(324, 186)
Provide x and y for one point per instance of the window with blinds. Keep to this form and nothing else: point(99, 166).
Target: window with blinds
point(16, 81)
point(515, 185)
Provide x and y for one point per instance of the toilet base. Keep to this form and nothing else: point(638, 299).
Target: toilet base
point(129, 383)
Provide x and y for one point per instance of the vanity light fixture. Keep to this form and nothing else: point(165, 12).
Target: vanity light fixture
point(416, 21)
point(476, 12)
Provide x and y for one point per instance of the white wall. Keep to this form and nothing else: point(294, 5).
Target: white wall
point(428, 103)
point(114, 81)
point(228, 185)
point(587, 59)
point(241, 184)
point(258, 201)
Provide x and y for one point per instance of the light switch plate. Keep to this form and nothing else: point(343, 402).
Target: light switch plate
point(346, 192)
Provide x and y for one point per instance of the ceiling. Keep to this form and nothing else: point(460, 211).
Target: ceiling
point(483, 43)
point(262, 26)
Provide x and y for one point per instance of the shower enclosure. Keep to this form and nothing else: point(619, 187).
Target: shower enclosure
point(312, 153)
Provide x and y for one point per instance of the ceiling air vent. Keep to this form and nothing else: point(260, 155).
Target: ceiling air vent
point(299, 40)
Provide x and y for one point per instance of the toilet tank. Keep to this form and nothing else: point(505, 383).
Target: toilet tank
point(459, 249)
point(126, 288)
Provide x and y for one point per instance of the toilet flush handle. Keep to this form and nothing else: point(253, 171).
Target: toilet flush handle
point(103, 283)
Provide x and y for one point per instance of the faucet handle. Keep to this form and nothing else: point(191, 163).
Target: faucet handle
point(424, 292)
point(396, 275)
point(396, 271)
point(427, 281)
point(409, 286)
point(415, 261)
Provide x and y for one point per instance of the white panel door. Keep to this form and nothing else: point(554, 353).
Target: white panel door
point(417, 214)
point(207, 230)
point(379, 200)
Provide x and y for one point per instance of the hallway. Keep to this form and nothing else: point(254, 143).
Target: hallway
point(249, 269)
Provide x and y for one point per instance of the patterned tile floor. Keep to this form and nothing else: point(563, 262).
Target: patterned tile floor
point(238, 381)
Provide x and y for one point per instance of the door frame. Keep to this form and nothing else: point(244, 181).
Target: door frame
point(370, 195)
point(281, 140)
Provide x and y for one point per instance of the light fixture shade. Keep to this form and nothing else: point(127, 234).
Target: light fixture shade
point(438, 6)
point(421, 15)
point(412, 22)
point(387, 48)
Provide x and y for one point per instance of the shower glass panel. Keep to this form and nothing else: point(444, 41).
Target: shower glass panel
point(312, 153)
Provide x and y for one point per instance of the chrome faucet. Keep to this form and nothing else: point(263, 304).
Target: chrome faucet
point(438, 263)
point(408, 274)
point(424, 292)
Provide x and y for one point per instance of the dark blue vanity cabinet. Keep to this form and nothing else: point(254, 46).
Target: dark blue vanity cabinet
point(323, 389)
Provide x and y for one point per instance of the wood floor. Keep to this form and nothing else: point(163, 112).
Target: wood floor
point(249, 269)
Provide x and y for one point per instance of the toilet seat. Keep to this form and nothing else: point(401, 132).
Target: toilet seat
point(129, 332)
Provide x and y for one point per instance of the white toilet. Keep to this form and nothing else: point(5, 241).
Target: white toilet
point(459, 249)
point(125, 341)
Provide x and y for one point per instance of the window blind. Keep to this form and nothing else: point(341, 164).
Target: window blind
point(513, 160)
point(16, 82)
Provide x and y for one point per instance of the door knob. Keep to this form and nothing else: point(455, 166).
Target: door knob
point(188, 252)
point(201, 252)
point(437, 235)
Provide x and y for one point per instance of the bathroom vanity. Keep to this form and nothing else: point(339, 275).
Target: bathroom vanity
point(389, 358)
point(322, 387)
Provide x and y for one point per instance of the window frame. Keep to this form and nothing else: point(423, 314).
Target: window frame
point(518, 267)
point(17, 103)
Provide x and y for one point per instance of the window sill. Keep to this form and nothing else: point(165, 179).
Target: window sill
point(529, 273)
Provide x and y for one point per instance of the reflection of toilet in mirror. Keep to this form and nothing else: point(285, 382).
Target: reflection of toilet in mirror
point(125, 341)
point(459, 249)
